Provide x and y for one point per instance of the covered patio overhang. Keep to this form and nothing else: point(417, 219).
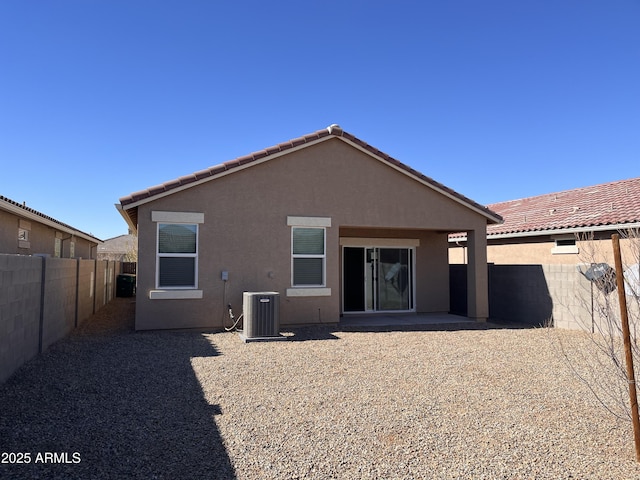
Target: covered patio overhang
point(375, 289)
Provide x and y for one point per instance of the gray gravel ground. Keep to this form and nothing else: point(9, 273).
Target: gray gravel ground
point(480, 404)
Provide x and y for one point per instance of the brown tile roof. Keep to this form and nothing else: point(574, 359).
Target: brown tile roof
point(331, 131)
point(613, 203)
point(31, 213)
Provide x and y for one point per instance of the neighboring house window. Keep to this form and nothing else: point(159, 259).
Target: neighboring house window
point(565, 245)
point(57, 247)
point(24, 234)
point(23, 238)
point(177, 264)
point(309, 259)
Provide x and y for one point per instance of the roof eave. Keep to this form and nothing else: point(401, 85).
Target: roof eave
point(22, 212)
point(556, 231)
point(127, 218)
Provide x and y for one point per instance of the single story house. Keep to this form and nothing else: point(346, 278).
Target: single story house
point(123, 248)
point(25, 231)
point(568, 227)
point(332, 224)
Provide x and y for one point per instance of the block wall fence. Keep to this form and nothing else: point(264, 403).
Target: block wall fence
point(539, 295)
point(42, 299)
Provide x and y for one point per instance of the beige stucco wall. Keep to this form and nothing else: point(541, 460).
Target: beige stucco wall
point(245, 232)
point(540, 252)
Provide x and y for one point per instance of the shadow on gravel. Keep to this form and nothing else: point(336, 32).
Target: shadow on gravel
point(327, 332)
point(435, 327)
point(316, 332)
point(111, 403)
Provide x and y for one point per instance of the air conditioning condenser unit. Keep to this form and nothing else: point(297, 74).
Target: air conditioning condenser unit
point(261, 320)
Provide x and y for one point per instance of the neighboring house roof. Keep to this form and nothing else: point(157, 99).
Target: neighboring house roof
point(122, 244)
point(29, 213)
point(128, 204)
point(608, 206)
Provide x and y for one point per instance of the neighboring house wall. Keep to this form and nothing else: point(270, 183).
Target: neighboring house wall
point(26, 232)
point(34, 315)
point(562, 227)
point(541, 251)
point(245, 232)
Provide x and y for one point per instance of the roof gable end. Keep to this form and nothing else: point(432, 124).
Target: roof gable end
point(130, 202)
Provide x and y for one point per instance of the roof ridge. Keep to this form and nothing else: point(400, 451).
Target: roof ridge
point(571, 190)
point(609, 203)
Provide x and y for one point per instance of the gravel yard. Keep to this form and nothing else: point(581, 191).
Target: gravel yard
point(485, 404)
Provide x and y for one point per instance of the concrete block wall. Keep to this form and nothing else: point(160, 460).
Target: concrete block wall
point(86, 290)
point(43, 299)
point(519, 292)
point(110, 281)
point(20, 290)
point(570, 292)
point(59, 300)
point(540, 295)
point(101, 283)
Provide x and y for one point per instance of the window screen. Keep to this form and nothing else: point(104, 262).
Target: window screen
point(177, 255)
point(308, 248)
point(174, 238)
point(177, 271)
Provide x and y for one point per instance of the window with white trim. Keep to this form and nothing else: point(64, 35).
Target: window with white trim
point(565, 245)
point(23, 238)
point(308, 251)
point(177, 255)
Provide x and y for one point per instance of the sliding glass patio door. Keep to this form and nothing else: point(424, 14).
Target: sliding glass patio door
point(377, 279)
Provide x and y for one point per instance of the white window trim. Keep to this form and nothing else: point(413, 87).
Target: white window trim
point(309, 290)
point(174, 294)
point(379, 242)
point(307, 255)
point(24, 240)
point(308, 221)
point(177, 217)
point(179, 293)
point(565, 249)
point(176, 255)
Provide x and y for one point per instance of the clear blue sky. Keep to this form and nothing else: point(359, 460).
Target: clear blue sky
point(497, 99)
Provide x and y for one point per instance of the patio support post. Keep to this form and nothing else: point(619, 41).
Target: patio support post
point(477, 276)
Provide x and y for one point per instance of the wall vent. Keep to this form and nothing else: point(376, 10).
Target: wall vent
point(261, 320)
